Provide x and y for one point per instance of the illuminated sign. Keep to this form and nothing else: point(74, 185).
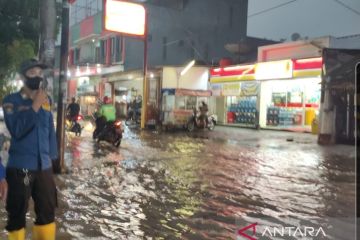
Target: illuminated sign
point(274, 70)
point(125, 17)
point(232, 73)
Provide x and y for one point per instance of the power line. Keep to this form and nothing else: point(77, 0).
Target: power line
point(270, 9)
point(347, 7)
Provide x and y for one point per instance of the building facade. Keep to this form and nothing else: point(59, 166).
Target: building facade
point(288, 88)
point(179, 31)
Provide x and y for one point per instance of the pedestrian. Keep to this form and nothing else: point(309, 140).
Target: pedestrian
point(33, 146)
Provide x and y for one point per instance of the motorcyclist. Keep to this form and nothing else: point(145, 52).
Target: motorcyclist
point(106, 114)
point(73, 109)
point(203, 113)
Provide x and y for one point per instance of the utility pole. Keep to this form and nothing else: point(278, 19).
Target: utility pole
point(59, 165)
point(144, 106)
point(47, 40)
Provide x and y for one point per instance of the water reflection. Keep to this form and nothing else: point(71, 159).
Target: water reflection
point(183, 186)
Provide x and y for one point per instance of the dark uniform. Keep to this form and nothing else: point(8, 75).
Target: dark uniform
point(73, 109)
point(2, 170)
point(29, 168)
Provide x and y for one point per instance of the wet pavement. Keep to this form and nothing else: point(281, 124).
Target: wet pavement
point(201, 185)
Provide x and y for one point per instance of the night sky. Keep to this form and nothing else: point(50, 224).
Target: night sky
point(312, 18)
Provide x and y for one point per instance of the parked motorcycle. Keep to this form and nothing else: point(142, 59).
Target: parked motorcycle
point(110, 132)
point(195, 122)
point(72, 124)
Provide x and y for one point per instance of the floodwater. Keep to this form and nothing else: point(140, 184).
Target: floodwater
point(203, 185)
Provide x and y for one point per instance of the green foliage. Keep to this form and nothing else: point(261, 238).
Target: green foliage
point(15, 53)
point(19, 35)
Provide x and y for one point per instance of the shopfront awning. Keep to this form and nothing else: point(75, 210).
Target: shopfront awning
point(188, 92)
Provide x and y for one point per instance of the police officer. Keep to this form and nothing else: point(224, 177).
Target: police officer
point(33, 146)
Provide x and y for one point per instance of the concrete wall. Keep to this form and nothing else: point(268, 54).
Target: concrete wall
point(293, 50)
point(196, 78)
point(348, 42)
point(199, 31)
point(306, 48)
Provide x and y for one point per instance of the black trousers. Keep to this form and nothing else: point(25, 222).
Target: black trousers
point(41, 188)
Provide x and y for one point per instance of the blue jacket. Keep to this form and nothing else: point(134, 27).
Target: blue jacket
point(2, 170)
point(33, 140)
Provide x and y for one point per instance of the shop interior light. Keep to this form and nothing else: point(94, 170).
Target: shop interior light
point(187, 68)
point(68, 73)
point(151, 75)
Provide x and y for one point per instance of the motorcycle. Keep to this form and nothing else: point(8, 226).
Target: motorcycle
point(72, 124)
point(110, 132)
point(195, 122)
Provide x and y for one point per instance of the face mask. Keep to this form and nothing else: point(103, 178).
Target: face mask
point(33, 83)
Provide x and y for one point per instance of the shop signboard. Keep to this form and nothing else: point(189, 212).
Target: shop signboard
point(274, 70)
point(250, 88)
point(216, 89)
point(189, 92)
point(181, 116)
point(231, 89)
point(125, 17)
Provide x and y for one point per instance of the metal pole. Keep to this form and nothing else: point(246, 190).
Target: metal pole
point(145, 82)
point(47, 40)
point(59, 165)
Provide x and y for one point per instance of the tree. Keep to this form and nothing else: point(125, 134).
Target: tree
point(19, 37)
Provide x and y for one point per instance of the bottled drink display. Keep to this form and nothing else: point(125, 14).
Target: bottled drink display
point(280, 116)
point(244, 111)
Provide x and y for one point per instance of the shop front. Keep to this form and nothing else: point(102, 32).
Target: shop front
point(181, 93)
point(128, 87)
point(83, 86)
point(235, 95)
point(290, 93)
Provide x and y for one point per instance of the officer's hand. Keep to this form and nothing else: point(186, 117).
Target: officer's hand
point(3, 189)
point(39, 99)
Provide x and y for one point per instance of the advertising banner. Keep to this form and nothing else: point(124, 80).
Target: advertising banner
point(216, 89)
point(250, 88)
point(231, 89)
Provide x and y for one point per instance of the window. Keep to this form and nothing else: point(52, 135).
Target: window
point(103, 51)
point(76, 55)
point(116, 49)
point(97, 55)
point(112, 49)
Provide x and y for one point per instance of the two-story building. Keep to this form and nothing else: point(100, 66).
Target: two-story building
point(179, 31)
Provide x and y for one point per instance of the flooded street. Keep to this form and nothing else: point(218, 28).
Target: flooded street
point(203, 185)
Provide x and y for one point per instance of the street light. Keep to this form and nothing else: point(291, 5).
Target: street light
point(186, 69)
